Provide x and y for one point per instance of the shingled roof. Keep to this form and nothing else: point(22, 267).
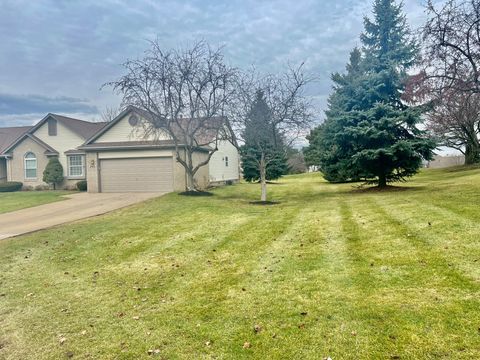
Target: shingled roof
point(204, 135)
point(83, 128)
point(9, 135)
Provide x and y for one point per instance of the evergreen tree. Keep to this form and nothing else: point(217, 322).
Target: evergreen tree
point(329, 151)
point(276, 167)
point(369, 132)
point(263, 154)
point(53, 173)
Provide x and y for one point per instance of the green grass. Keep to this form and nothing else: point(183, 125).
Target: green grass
point(12, 201)
point(328, 272)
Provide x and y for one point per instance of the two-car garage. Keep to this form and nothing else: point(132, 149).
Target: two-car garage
point(149, 174)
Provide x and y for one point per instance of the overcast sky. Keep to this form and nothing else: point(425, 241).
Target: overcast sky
point(56, 54)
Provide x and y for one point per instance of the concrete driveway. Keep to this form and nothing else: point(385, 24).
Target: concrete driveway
point(76, 207)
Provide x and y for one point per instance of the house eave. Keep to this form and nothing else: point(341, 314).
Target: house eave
point(136, 147)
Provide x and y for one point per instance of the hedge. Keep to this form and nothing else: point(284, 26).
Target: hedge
point(82, 185)
point(10, 186)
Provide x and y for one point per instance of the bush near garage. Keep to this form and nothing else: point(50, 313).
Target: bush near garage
point(82, 185)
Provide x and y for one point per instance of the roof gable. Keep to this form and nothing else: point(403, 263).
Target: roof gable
point(84, 129)
point(10, 135)
point(203, 136)
point(110, 125)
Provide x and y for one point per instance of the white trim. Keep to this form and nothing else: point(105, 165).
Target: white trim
point(25, 159)
point(82, 166)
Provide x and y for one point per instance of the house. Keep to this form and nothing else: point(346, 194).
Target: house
point(112, 157)
point(26, 151)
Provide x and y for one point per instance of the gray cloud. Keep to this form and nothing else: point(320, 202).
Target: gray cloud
point(16, 110)
point(28, 104)
point(68, 49)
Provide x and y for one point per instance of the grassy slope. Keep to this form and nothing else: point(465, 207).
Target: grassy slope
point(376, 275)
point(24, 199)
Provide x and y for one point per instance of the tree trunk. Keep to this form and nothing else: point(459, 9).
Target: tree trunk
point(189, 171)
point(472, 153)
point(190, 180)
point(263, 177)
point(382, 181)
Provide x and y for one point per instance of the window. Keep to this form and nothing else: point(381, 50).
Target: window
point(76, 166)
point(226, 161)
point(52, 127)
point(30, 166)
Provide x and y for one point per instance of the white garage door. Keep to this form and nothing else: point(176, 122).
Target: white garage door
point(136, 175)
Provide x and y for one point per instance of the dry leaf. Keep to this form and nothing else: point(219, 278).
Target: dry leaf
point(247, 345)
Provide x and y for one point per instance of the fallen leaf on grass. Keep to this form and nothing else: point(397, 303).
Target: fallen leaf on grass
point(247, 345)
point(153, 352)
point(257, 328)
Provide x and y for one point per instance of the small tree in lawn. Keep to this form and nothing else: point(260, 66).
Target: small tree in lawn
point(53, 173)
point(262, 154)
point(270, 114)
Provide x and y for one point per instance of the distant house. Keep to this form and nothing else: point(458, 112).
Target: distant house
point(112, 157)
point(441, 161)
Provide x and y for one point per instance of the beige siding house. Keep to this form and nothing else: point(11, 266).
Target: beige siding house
point(113, 157)
point(27, 155)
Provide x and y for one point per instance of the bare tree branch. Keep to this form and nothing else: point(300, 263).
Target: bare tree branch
point(183, 94)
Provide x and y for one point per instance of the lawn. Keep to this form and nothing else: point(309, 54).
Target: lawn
point(329, 272)
point(24, 199)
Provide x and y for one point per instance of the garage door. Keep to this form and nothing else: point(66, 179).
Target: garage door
point(136, 175)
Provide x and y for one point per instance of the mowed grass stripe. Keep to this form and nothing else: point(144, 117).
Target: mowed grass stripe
point(181, 264)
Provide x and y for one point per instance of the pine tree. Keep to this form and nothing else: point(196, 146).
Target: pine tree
point(263, 154)
point(370, 133)
point(327, 150)
point(53, 173)
point(276, 167)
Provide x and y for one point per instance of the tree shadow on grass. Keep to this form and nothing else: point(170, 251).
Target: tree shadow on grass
point(264, 202)
point(196, 193)
point(387, 189)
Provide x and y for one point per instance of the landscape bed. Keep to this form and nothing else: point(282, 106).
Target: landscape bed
point(326, 272)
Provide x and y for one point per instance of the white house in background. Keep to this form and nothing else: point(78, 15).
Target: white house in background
point(112, 157)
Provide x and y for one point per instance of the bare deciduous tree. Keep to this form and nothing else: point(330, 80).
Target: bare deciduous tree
point(109, 113)
point(289, 113)
point(451, 40)
point(453, 114)
point(455, 120)
point(183, 94)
